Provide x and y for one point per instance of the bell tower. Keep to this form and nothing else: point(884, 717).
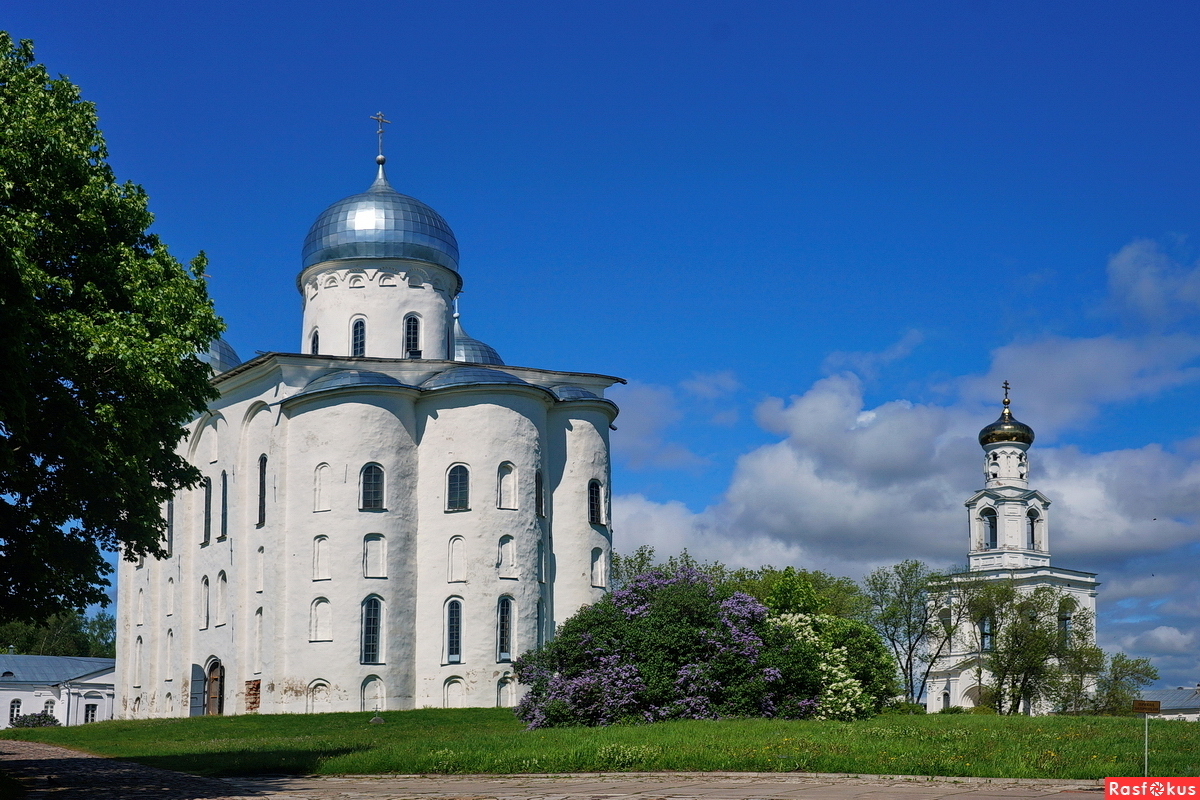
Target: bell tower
point(1008, 521)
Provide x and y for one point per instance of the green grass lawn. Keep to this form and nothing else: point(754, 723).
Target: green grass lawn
point(492, 741)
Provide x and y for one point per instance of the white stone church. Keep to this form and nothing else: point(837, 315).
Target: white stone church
point(388, 517)
point(1009, 530)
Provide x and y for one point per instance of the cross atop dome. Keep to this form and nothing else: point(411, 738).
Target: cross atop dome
point(378, 117)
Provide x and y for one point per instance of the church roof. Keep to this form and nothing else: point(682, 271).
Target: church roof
point(348, 378)
point(574, 393)
point(471, 376)
point(381, 223)
point(49, 669)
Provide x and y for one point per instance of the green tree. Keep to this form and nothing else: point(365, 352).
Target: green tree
point(1118, 683)
point(66, 634)
point(911, 607)
point(100, 331)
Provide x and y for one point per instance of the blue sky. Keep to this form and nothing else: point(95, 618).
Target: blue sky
point(814, 237)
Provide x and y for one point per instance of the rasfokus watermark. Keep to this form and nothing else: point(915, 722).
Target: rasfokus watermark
point(1152, 787)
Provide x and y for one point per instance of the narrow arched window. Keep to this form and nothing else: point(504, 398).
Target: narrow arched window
point(458, 488)
point(505, 559)
point(314, 343)
point(539, 493)
point(224, 504)
point(372, 487)
point(260, 569)
point(14, 711)
point(372, 622)
point(987, 635)
point(595, 503)
point(454, 560)
point(170, 660)
point(170, 527)
point(170, 597)
point(374, 556)
point(48, 708)
point(599, 568)
point(262, 489)
point(945, 700)
point(358, 338)
point(412, 337)
point(1031, 529)
point(138, 661)
point(321, 487)
point(207, 530)
point(320, 621)
point(258, 641)
point(320, 558)
point(990, 529)
point(504, 629)
point(506, 486)
point(141, 607)
point(222, 593)
point(204, 602)
point(454, 632)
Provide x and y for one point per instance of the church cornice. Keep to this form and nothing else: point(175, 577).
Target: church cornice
point(1008, 494)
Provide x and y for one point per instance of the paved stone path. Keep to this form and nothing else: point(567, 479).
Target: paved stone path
point(54, 773)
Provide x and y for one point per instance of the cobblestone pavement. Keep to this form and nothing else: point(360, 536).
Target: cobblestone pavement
point(54, 773)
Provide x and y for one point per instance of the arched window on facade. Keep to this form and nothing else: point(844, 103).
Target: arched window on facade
point(412, 337)
point(258, 641)
point(322, 481)
point(48, 707)
point(539, 493)
point(260, 569)
point(170, 543)
point(358, 338)
point(595, 503)
point(371, 494)
point(141, 608)
point(506, 486)
point(987, 635)
point(222, 594)
point(262, 490)
point(320, 621)
point(372, 629)
point(453, 694)
point(314, 342)
point(991, 532)
point(224, 505)
point(204, 602)
point(505, 558)
point(14, 711)
point(599, 568)
point(137, 662)
point(504, 629)
point(373, 695)
point(458, 488)
point(945, 700)
point(455, 570)
point(170, 596)
point(206, 531)
point(374, 556)
point(169, 664)
point(505, 692)
point(1031, 526)
point(320, 558)
point(454, 632)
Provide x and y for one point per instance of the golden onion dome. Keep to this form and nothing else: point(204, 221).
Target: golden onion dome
point(1007, 428)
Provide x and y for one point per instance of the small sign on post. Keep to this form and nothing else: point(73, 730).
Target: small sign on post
point(1146, 708)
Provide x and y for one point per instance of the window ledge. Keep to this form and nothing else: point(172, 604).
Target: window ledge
point(509, 578)
point(373, 510)
point(456, 510)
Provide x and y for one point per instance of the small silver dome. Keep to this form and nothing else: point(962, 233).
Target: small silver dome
point(470, 376)
point(220, 356)
point(473, 351)
point(380, 223)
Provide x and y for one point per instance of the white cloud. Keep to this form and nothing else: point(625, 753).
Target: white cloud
point(647, 411)
point(711, 385)
point(1163, 640)
point(869, 364)
point(1149, 284)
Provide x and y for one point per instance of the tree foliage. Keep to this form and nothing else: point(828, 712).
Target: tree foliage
point(100, 330)
point(65, 634)
point(674, 643)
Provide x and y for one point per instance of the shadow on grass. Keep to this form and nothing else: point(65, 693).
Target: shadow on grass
point(245, 762)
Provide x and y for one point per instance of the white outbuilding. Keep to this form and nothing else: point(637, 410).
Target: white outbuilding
point(388, 517)
point(72, 690)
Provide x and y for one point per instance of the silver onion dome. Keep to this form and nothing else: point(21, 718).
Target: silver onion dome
point(381, 223)
point(473, 351)
point(220, 356)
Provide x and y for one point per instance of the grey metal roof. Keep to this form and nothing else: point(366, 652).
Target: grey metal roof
point(380, 223)
point(220, 356)
point(470, 376)
point(346, 378)
point(1173, 698)
point(49, 669)
point(574, 393)
point(473, 351)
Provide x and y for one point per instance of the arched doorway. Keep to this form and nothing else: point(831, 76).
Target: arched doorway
point(214, 685)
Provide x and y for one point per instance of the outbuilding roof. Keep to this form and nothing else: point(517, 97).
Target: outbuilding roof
point(1173, 698)
point(49, 669)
